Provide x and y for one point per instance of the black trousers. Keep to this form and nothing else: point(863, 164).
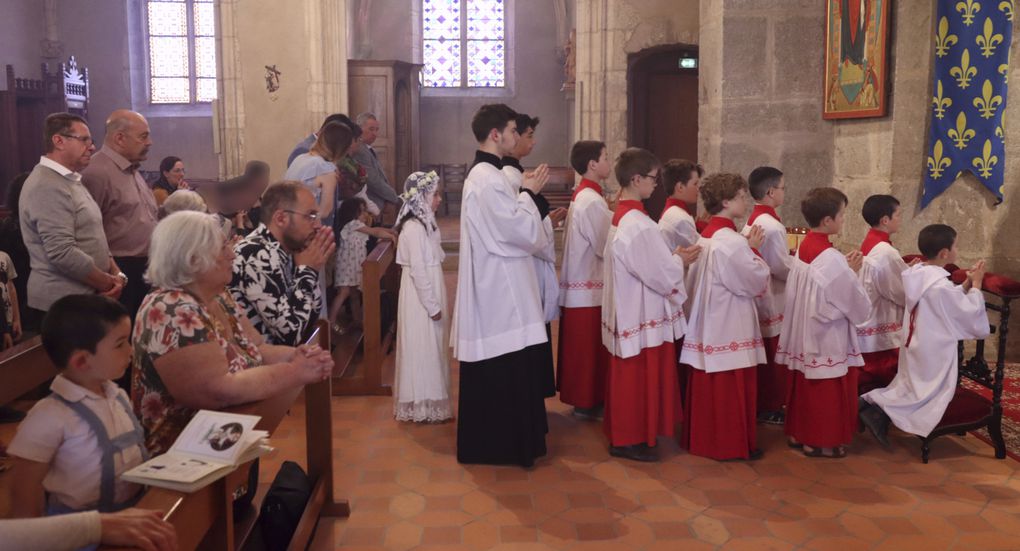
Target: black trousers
point(136, 288)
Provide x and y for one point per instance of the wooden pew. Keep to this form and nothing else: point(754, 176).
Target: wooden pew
point(205, 519)
point(24, 367)
point(358, 374)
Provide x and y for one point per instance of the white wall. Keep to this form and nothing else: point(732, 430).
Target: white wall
point(22, 27)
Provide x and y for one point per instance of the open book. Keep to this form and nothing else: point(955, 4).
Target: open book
point(211, 446)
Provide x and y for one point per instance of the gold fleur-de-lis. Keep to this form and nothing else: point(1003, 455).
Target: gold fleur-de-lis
point(986, 161)
point(964, 71)
point(968, 8)
point(1007, 7)
point(940, 102)
point(944, 40)
point(1000, 133)
point(937, 164)
point(988, 102)
point(961, 134)
point(1004, 68)
point(989, 39)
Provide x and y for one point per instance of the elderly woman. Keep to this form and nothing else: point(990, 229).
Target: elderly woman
point(182, 199)
point(171, 179)
point(193, 347)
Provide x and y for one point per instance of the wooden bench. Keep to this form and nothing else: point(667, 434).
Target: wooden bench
point(361, 356)
point(23, 368)
point(205, 519)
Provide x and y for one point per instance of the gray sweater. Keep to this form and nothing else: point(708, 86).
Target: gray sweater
point(63, 231)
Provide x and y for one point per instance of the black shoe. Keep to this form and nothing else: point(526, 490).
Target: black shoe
point(10, 415)
point(637, 452)
point(756, 454)
point(877, 422)
point(772, 417)
point(589, 414)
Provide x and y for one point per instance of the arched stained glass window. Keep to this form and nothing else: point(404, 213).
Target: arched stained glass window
point(181, 36)
point(464, 43)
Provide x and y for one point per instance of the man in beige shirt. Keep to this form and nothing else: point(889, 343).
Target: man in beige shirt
point(126, 201)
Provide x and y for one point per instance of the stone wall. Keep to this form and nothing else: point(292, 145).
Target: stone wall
point(761, 101)
point(607, 32)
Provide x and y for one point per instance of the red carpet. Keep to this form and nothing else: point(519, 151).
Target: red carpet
point(1010, 409)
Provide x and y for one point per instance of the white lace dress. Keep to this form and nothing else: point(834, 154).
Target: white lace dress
point(421, 389)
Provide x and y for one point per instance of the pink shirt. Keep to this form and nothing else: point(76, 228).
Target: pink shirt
point(128, 206)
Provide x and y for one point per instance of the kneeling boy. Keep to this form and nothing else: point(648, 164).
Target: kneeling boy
point(940, 314)
point(76, 442)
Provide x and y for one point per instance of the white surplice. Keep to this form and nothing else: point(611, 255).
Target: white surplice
point(421, 383)
point(882, 277)
point(926, 381)
point(776, 253)
point(585, 233)
point(824, 303)
point(723, 332)
point(644, 288)
point(545, 258)
point(677, 227)
point(498, 308)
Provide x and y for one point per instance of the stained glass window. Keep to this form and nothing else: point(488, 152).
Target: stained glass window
point(464, 43)
point(182, 51)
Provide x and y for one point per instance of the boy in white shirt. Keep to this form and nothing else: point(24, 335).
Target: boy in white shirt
point(75, 443)
point(682, 180)
point(768, 189)
point(882, 275)
point(583, 362)
point(939, 314)
point(818, 342)
point(723, 345)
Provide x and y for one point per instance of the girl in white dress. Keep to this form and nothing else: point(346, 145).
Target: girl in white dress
point(421, 390)
point(356, 227)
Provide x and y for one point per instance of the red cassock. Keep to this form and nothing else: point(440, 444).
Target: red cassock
point(879, 370)
point(720, 411)
point(772, 379)
point(583, 361)
point(643, 400)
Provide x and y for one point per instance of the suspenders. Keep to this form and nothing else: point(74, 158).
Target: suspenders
point(109, 447)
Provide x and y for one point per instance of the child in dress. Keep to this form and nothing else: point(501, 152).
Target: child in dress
point(11, 322)
point(356, 222)
point(421, 387)
point(939, 314)
point(73, 445)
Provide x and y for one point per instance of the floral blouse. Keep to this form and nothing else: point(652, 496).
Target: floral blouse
point(168, 320)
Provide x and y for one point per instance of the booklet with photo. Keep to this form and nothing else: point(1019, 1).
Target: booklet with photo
point(211, 444)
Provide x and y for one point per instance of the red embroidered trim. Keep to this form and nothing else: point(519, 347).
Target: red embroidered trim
point(581, 285)
point(653, 324)
point(814, 363)
point(771, 321)
point(734, 346)
point(879, 329)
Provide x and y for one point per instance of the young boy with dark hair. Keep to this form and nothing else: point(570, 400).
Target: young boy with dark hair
point(682, 179)
point(940, 314)
point(498, 331)
point(723, 345)
point(769, 190)
point(881, 273)
point(545, 259)
point(583, 361)
point(818, 341)
point(642, 317)
point(73, 445)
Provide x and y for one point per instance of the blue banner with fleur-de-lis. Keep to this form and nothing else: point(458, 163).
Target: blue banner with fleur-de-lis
point(972, 40)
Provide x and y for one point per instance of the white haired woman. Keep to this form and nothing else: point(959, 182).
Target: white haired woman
point(193, 346)
point(182, 199)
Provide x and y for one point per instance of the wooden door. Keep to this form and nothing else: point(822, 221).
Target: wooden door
point(663, 107)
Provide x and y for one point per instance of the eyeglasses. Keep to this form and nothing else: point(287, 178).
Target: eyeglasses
point(87, 140)
point(314, 216)
point(657, 177)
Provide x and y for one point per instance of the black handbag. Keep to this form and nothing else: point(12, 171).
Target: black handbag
point(283, 506)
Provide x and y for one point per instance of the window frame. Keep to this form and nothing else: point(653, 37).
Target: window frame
point(509, 77)
point(141, 64)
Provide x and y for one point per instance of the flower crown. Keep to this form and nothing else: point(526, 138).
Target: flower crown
point(422, 183)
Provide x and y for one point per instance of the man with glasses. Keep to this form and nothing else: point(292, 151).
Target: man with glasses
point(129, 208)
point(277, 266)
point(62, 224)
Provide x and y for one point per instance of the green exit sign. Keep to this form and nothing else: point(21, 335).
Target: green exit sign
point(688, 63)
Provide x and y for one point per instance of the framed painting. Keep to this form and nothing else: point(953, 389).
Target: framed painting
point(856, 59)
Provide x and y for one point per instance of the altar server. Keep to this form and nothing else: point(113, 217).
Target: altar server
point(939, 314)
point(583, 360)
point(498, 330)
point(642, 316)
point(723, 345)
point(880, 335)
point(818, 342)
point(768, 189)
point(682, 180)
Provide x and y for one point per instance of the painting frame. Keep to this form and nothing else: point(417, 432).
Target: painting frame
point(855, 72)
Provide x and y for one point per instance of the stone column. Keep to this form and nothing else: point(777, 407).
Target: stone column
point(52, 47)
